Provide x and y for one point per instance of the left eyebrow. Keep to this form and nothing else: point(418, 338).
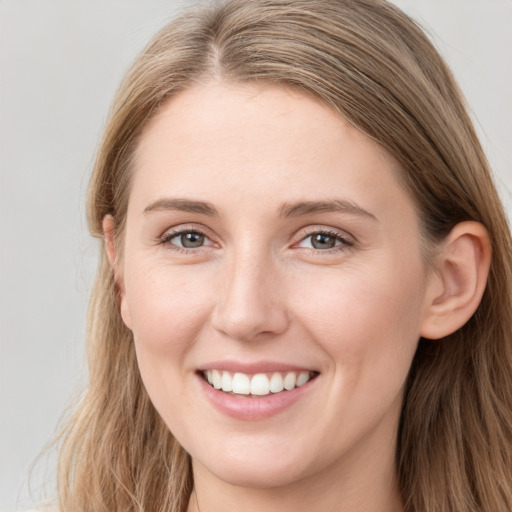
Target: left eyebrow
point(334, 205)
point(184, 205)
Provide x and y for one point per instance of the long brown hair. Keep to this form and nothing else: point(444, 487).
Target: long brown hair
point(373, 65)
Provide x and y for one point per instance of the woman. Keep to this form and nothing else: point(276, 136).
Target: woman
point(303, 301)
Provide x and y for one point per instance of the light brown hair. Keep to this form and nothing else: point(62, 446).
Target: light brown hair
point(373, 65)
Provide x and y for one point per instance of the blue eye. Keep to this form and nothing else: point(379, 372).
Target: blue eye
point(187, 239)
point(190, 239)
point(323, 241)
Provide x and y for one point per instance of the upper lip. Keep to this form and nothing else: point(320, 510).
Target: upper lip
point(254, 367)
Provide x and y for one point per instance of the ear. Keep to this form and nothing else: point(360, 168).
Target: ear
point(456, 289)
point(108, 226)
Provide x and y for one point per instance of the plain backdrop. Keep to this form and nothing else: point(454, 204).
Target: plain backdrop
point(60, 63)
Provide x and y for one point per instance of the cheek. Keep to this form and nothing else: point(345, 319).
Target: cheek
point(369, 331)
point(368, 322)
point(167, 310)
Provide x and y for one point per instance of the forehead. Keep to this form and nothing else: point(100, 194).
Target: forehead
point(227, 141)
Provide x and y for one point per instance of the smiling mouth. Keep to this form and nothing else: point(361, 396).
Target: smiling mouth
point(259, 384)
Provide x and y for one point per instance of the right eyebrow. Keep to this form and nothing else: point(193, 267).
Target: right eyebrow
point(335, 205)
point(184, 205)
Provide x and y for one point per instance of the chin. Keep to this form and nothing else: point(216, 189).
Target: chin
point(262, 475)
point(252, 462)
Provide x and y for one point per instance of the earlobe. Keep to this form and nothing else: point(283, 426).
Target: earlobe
point(108, 226)
point(456, 289)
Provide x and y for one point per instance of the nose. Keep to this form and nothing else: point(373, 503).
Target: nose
point(250, 303)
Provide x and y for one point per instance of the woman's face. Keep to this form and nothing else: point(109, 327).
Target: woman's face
point(269, 244)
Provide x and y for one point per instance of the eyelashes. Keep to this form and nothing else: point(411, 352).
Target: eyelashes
point(316, 241)
point(325, 240)
point(186, 239)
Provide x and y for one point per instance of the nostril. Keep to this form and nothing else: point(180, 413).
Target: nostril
point(255, 325)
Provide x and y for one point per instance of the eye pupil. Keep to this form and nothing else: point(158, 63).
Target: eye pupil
point(191, 240)
point(323, 241)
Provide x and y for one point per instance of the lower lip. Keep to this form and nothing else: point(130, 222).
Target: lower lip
point(250, 407)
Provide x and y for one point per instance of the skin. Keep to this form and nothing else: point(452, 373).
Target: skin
point(258, 290)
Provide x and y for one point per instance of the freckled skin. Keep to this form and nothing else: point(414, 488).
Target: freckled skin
point(257, 289)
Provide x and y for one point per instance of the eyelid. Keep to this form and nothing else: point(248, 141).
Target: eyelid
point(174, 231)
point(328, 230)
point(187, 226)
point(346, 240)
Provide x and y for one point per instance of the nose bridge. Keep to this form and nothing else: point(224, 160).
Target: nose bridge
point(250, 301)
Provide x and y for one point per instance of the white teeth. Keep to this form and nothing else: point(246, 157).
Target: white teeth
point(227, 381)
point(258, 385)
point(241, 384)
point(217, 379)
point(290, 380)
point(276, 383)
point(302, 378)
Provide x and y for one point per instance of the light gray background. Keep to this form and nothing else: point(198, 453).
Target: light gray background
point(60, 63)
